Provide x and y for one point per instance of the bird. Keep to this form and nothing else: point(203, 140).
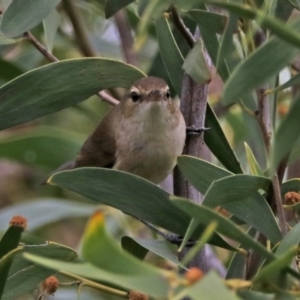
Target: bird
point(143, 135)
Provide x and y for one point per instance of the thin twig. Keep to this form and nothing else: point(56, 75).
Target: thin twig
point(126, 37)
point(103, 95)
point(81, 35)
point(182, 28)
point(170, 237)
point(98, 286)
point(263, 117)
point(39, 46)
point(108, 98)
point(278, 201)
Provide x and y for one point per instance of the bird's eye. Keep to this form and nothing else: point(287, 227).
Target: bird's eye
point(135, 97)
point(168, 95)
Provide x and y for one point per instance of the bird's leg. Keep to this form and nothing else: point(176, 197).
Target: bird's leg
point(170, 237)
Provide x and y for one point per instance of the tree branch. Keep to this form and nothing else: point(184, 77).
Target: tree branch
point(103, 95)
point(181, 27)
point(81, 35)
point(125, 37)
point(278, 201)
point(30, 38)
point(108, 98)
point(193, 106)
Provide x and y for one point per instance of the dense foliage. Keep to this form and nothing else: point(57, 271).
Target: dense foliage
point(55, 55)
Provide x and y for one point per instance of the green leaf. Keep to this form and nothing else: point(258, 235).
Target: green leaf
point(284, 9)
point(44, 146)
point(253, 210)
point(134, 248)
point(60, 85)
point(195, 64)
point(151, 11)
point(226, 227)
point(113, 259)
point(253, 295)
point(26, 275)
point(159, 247)
point(10, 239)
point(286, 134)
point(226, 43)
point(217, 142)
point(113, 6)
point(239, 195)
point(136, 276)
point(274, 55)
point(200, 173)
point(7, 41)
point(295, 3)
point(133, 195)
point(291, 240)
point(237, 265)
point(11, 70)
point(170, 53)
point(211, 41)
point(295, 153)
point(34, 211)
point(205, 215)
point(9, 242)
point(254, 167)
point(214, 21)
point(278, 27)
point(236, 268)
point(210, 287)
point(295, 80)
point(225, 67)
point(51, 24)
point(276, 266)
point(20, 17)
point(5, 263)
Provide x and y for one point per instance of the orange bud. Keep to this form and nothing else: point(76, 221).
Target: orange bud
point(193, 275)
point(291, 198)
point(50, 285)
point(18, 221)
point(137, 296)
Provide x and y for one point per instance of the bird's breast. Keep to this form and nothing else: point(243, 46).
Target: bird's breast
point(149, 147)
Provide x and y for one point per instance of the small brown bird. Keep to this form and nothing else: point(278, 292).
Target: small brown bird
point(142, 135)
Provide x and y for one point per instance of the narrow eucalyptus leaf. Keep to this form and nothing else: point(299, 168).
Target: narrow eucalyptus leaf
point(133, 195)
point(286, 134)
point(21, 16)
point(113, 6)
point(265, 62)
point(170, 53)
point(51, 24)
point(195, 64)
point(27, 275)
point(59, 85)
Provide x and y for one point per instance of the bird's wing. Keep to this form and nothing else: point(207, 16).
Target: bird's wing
point(99, 149)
